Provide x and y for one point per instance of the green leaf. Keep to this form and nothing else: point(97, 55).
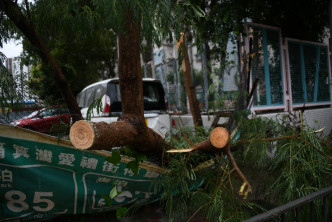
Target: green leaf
point(107, 198)
point(96, 104)
point(121, 212)
point(115, 158)
point(198, 11)
point(140, 157)
point(133, 165)
point(113, 192)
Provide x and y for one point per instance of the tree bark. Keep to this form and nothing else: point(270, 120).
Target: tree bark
point(130, 73)
point(188, 82)
point(241, 102)
point(14, 13)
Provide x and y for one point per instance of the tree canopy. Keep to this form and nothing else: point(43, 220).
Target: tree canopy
point(305, 20)
point(86, 29)
point(83, 46)
point(301, 19)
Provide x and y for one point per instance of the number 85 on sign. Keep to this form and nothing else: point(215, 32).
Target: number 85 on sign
point(17, 201)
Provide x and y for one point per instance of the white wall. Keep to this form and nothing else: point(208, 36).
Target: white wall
point(315, 118)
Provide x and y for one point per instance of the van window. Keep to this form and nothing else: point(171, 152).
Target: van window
point(153, 96)
point(89, 96)
point(81, 99)
point(150, 94)
point(100, 90)
point(113, 91)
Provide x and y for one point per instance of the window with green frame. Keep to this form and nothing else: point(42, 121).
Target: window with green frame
point(309, 72)
point(266, 66)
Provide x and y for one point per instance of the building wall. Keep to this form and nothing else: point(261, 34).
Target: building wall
point(319, 118)
point(21, 75)
point(316, 119)
point(165, 60)
point(280, 94)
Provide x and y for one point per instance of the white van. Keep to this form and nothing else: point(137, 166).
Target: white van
point(155, 103)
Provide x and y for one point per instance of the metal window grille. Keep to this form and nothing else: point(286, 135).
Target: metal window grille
point(309, 73)
point(266, 65)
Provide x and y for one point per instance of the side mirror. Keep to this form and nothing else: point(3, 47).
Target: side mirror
point(40, 115)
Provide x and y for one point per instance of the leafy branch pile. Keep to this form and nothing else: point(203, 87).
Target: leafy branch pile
point(215, 200)
point(284, 160)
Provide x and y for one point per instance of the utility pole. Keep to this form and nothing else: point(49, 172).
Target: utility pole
point(205, 77)
point(330, 38)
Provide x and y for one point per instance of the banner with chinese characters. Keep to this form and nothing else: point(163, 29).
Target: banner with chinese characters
point(41, 180)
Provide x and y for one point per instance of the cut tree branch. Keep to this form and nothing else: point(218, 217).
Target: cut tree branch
point(126, 132)
point(219, 141)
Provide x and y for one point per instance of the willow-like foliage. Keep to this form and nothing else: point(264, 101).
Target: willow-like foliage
point(216, 199)
point(158, 18)
point(9, 98)
point(283, 159)
point(288, 159)
point(8, 93)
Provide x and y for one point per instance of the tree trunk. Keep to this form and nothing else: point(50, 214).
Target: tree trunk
point(188, 82)
point(130, 74)
point(13, 12)
point(129, 132)
point(131, 129)
point(241, 102)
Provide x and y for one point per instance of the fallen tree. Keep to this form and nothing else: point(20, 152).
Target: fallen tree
point(103, 136)
point(131, 129)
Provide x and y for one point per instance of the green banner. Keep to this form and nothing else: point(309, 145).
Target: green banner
point(41, 180)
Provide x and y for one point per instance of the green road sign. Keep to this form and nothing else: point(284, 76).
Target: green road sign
point(40, 180)
point(43, 177)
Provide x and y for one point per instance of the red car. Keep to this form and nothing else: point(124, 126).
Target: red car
point(54, 119)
